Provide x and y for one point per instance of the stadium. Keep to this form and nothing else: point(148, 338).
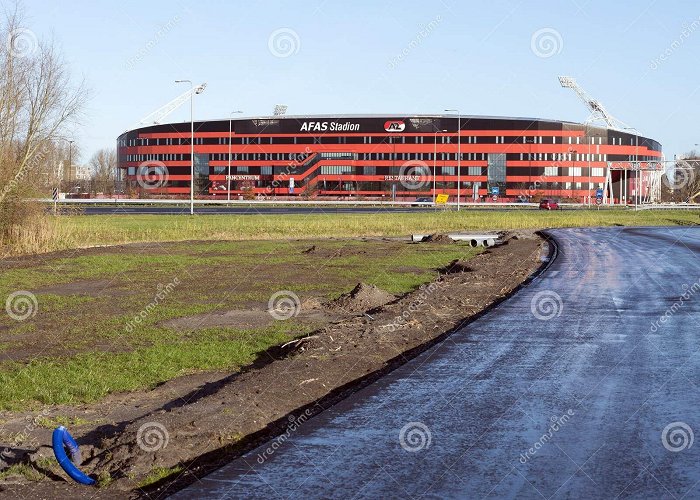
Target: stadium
point(385, 157)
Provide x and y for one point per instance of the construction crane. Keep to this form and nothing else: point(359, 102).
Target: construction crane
point(598, 111)
point(159, 114)
point(280, 109)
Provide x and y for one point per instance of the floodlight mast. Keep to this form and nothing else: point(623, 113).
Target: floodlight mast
point(161, 113)
point(598, 111)
point(280, 109)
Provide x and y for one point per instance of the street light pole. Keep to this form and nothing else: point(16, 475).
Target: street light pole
point(70, 164)
point(230, 139)
point(459, 156)
point(191, 143)
point(435, 165)
point(573, 153)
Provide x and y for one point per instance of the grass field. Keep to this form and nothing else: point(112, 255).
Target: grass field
point(77, 348)
point(80, 231)
point(83, 343)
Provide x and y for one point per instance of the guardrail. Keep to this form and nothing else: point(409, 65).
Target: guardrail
point(140, 201)
point(490, 205)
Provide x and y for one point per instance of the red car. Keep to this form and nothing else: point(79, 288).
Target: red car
point(547, 204)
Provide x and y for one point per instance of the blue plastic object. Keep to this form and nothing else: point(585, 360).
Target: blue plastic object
point(61, 440)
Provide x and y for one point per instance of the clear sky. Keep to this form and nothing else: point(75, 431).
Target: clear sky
point(501, 57)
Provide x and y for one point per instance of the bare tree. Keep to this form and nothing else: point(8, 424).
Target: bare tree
point(104, 166)
point(38, 106)
point(683, 182)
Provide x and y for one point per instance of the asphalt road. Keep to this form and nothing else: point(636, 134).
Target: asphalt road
point(563, 391)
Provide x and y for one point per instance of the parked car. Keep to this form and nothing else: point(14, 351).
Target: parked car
point(420, 202)
point(549, 204)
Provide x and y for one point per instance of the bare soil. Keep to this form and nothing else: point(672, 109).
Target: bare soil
point(212, 418)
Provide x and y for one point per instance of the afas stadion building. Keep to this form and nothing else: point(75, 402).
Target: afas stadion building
point(387, 157)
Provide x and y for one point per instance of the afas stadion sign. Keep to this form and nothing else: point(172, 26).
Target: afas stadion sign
point(389, 126)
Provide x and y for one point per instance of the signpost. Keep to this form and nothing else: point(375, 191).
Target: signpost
point(495, 192)
point(441, 199)
point(599, 197)
point(54, 195)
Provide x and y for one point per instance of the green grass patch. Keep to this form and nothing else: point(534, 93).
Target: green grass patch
point(100, 328)
point(79, 231)
point(159, 473)
point(23, 470)
point(88, 377)
point(53, 422)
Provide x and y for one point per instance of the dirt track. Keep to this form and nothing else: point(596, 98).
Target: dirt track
point(225, 416)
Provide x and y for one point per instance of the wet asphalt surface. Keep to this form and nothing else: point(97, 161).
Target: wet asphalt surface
point(562, 391)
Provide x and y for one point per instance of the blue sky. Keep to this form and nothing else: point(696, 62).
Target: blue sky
point(494, 58)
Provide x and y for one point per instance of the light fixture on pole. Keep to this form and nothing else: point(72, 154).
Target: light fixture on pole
point(459, 155)
point(230, 140)
point(70, 165)
point(435, 165)
point(194, 91)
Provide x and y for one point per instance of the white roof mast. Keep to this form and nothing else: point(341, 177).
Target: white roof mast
point(598, 111)
point(158, 115)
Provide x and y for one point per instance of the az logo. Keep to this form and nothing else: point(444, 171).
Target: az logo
point(394, 126)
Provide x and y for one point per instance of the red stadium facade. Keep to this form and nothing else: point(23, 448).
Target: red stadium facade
point(388, 157)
